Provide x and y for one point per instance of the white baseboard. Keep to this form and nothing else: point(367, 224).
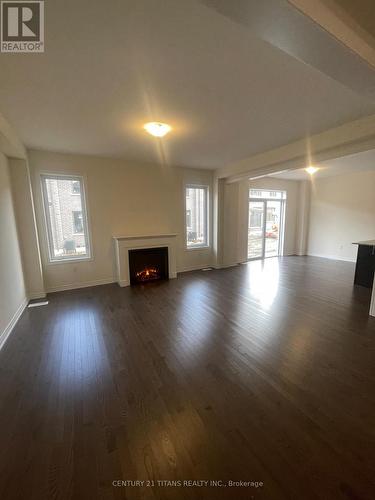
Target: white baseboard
point(12, 323)
point(84, 284)
point(186, 269)
point(225, 266)
point(36, 295)
point(331, 257)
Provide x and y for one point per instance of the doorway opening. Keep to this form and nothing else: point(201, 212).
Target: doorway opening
point(266, 223)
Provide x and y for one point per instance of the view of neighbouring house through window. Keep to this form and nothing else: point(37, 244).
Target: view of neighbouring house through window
point(77, 222)
point(65, 209)
point(76, 187)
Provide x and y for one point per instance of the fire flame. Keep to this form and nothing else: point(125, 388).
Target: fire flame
point(147, 274)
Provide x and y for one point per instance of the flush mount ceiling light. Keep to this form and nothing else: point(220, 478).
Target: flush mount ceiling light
point(157, 129)
point(311, 170)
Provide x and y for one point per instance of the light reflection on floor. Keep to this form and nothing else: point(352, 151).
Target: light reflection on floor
point(195, 307)
point(263, 277)
point(200, 313)
point(78, 337)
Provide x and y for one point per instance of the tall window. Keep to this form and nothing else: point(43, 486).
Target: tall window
point(196, 216)
point(66, 217)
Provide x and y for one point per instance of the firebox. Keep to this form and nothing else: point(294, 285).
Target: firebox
point(148, 264)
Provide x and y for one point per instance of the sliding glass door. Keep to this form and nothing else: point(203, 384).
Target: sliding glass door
point(274, 224)
point(266, 223)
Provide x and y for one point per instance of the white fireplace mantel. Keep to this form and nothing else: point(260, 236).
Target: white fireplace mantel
point(123, 244)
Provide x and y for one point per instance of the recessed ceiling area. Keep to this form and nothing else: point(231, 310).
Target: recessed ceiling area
point(359, 162)
point(108, 70)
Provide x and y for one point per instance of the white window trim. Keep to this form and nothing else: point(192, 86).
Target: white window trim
point(203, 245)
point(51, 260)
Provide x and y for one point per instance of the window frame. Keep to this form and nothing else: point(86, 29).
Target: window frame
point(206, 244)
point(52, 259)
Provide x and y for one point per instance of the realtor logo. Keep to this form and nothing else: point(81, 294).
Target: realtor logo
point(22, 26)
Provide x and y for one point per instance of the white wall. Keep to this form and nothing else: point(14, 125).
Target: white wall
point(124, 198)
point(342, 211)
point(234, 234)
point(303, 216)
point(27, 232)
point(292, 189)
point(12, 287)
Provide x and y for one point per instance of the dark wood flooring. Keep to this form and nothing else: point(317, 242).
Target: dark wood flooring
point(264, 372)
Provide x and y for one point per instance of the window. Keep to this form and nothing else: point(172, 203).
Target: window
point(196, 212)
point(76, 187)
point(66, 217)
point(265, 194)
point(256, 217)
point(77, 222)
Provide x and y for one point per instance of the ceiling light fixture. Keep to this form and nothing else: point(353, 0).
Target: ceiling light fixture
point(157, 129)
point(311, 170)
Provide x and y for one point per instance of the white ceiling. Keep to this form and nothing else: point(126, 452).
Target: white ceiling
point(111, 66)
point(349, 164)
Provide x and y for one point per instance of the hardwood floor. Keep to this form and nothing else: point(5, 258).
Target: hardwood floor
point(263, 372)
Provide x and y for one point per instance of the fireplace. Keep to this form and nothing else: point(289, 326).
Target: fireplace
point(148, 264)
point(164, 243)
